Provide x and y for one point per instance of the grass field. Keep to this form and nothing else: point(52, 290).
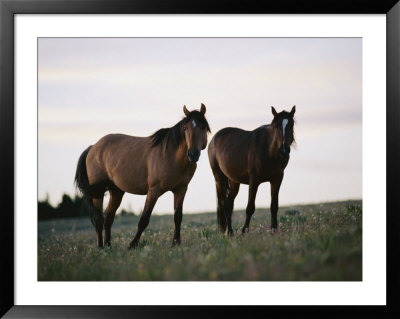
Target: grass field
point(314, 242)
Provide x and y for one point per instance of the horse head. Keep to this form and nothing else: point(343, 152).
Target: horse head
point(195, 128)
point(283, 123)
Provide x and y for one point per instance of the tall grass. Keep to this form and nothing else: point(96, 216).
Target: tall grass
point(314, 242)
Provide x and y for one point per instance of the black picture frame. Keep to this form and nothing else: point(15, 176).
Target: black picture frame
point(8, 8)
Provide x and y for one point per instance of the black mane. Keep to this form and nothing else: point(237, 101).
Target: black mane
point(173, 134)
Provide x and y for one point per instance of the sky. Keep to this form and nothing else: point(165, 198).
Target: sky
point(90, 87)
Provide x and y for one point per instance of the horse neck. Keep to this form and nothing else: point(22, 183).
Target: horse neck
point(181, 153)
point(274, 141)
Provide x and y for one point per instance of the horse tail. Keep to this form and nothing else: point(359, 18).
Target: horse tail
point(88, 191)
point(221, 183)
point(81, 176)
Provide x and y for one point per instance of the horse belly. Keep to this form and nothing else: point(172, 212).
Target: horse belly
point(134, 181)
point(237, 178)
point(128, 173)
point(234, 168)
point(132, 187)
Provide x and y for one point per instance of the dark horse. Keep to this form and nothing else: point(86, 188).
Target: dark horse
point(250, 157)
point(153, 165)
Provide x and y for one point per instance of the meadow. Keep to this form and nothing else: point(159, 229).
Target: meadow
point(316, 242)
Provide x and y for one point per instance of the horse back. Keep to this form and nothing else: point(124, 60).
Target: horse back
point(133, 165)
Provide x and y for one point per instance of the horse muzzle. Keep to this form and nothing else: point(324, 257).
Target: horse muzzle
point(193, 155)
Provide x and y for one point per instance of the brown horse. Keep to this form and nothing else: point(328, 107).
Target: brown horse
point(250, 157)
point(153, 165)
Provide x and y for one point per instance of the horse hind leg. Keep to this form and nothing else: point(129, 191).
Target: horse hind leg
point(98, 219)
point(233, 191)
point(109, 214)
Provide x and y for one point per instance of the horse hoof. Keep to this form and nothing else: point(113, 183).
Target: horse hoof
point(175, 243)
point(132, 246)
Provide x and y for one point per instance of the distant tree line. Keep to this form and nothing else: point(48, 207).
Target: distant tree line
point(68, 207)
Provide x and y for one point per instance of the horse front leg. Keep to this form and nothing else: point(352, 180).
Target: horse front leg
point(251, 206)
point(179, 196)
point(275, 186)
point(151, 199)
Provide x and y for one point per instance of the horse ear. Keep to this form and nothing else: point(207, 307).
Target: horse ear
point(274, 111)
point(185, 110)
point(203, 108)
point(293, 110)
